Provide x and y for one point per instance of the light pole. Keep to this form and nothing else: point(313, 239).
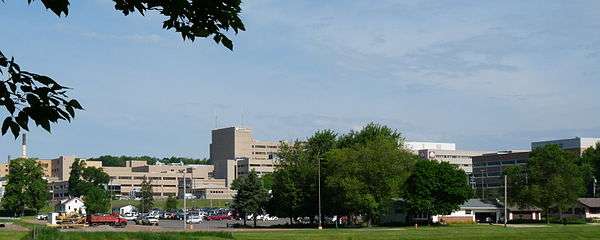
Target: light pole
point(319, 184)
point(505, 200)
point(594, 187)
point(184, 201)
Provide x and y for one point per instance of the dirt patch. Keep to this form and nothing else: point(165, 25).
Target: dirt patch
point(13, 227)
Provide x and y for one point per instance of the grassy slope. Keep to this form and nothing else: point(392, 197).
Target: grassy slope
point(11, 235)
point(455, 232)
point(160, 203)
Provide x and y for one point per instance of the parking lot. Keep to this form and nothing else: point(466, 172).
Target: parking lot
point(178, 224)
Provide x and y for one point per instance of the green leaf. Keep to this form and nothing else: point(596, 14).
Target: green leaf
point(22, 119)
point(6, 124)
point(75, 104)
point(45, 124)
point(70, 110)
point(15, 129)
point(43, 79)
point(227, 43)
point(9, 104)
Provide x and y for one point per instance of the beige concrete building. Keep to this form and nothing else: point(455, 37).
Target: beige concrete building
point(165, 179)
point(234, 152)
point(460, 158)
point(57, 169)
point(208, 189)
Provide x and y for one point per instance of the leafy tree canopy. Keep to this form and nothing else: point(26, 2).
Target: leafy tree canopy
point(367, 171)
point(251, 197)
point(26, 95)
point(551, 179)
point(437, 188)
point(171, 203)
point(25, 187)
point(191, 18)
point(97, 200)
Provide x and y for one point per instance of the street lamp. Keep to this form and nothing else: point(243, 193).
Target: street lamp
point(182, 171)
point(505, 200)
point(319, 184)
point(594, 187)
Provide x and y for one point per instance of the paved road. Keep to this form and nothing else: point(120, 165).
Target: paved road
point(178, 224)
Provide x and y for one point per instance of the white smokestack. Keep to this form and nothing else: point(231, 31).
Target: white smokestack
point(24, 146)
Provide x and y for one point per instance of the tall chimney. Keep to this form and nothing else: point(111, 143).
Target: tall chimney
point(24, 146)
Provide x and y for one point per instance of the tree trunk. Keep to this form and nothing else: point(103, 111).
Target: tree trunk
point(244, 219)
point(560, 215)
point(370, 219)
point(547, 217)
point(254, 218)
point(291, 221)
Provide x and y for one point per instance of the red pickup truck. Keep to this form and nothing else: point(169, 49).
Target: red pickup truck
point(112, 220)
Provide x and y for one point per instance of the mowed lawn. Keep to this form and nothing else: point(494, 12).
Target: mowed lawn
point(11, 235)
point(452, 232)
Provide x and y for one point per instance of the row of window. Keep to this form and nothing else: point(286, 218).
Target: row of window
point(263, 146)
point(153, 185)
point(142, 178)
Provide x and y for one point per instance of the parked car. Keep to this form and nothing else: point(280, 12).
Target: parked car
point(139, 218)
point(194, 219)
point(267, 217)
point(42, 217)
point(219, 217)
point(130, 216)
point(168, 215)
point(150, 220)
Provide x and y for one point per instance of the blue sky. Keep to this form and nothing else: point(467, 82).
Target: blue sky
point(484, 74)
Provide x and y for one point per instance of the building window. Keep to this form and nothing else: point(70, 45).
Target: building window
point(467, 211)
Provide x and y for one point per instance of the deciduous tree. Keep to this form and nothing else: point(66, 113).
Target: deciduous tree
point(551, 179)
point(251, 197)
point(97, 200)
point(26, 187)
point(436, 188)
point(26, 95)
point(367, 171)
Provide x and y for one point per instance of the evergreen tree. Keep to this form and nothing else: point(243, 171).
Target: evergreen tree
point(171, 203)
point(147, 195)
point(76, 188)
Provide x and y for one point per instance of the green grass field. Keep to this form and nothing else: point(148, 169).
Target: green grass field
point(191, 203)
point(465, 232)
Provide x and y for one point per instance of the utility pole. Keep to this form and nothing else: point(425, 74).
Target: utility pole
point(482, 184)
point(505, 200)
point(594, 187)
point(319, 184)
point(184, 201)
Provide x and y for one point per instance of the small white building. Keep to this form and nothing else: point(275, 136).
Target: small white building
point(71, 205)
point(588, 207)
point(127, 209)
point(474, 210)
